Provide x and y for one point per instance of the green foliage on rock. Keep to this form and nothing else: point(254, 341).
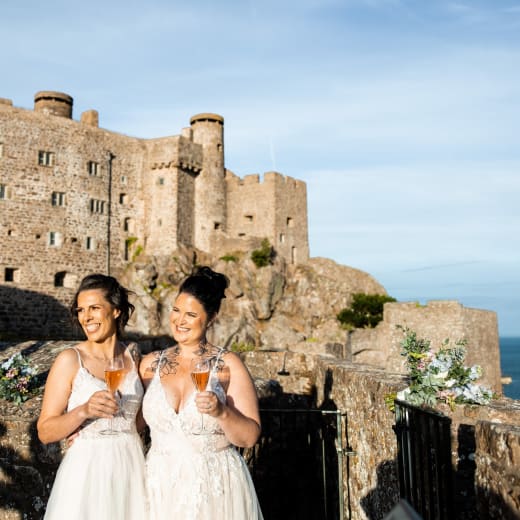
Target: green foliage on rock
point(263, 256)
point(229, 258)
point(242, 346)
point(366, 310)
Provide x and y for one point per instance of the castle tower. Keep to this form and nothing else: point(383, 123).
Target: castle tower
point(54, 103)
point(210, 186)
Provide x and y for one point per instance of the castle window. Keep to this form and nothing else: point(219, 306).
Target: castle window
point(290, 222)
point(58, 279)
point(54, 239)
point(89, 244)
point(3, 191)
point(45, 158)
point(93, 168)
point(216, 225)
point(159, 223)
point(282, 238)
point(97, 206)
point(11, 274)
point(123, 198)
point(58, 198)
point(241, 234)
point(249, 218)
point(160, 181)
point(123, 179)
point(10, 233)
point(65, 279)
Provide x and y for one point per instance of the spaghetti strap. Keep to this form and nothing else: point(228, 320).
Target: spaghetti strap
point(221, 351)
point(79, 356)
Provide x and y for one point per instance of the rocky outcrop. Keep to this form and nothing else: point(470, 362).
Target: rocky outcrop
point(273, 307)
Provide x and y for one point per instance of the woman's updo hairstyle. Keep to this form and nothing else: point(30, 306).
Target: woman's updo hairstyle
point(208, 287)
point(114, 293)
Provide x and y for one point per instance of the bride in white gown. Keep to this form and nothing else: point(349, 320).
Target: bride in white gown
point(101, 476)
point(193, 475)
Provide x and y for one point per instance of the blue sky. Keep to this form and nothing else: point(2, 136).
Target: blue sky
point(402, 116)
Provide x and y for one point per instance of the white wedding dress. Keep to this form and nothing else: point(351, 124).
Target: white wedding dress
point(190, 476)
point(101, 476)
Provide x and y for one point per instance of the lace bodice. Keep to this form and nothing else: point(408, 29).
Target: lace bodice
point(167, 424)
point(131, 395)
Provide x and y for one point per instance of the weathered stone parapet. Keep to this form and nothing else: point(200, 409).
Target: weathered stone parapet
point(497, 476)
point(436, 321)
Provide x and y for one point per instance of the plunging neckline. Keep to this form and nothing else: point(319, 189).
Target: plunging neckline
point(165, 397)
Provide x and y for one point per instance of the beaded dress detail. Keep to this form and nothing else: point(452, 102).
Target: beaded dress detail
point(191, 476)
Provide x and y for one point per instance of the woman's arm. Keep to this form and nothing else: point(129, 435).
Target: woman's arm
point(239, 418)
point(54, 423)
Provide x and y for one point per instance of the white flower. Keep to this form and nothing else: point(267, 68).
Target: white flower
point(401, 395)
point(475, 372)
point(6, 365)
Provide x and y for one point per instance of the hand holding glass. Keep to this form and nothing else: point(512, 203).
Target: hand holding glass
point(200, 376)
point(114, 374)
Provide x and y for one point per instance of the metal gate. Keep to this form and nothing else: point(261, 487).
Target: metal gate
point(424, 461)
point(297, 464)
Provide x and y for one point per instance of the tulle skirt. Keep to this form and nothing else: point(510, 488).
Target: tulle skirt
point(100, 478)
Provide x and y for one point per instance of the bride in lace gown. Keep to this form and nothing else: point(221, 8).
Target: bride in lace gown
point(101, 476)
point(191, 475)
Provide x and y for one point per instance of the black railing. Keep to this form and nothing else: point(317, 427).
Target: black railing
point(297, 465)
point(424, 461)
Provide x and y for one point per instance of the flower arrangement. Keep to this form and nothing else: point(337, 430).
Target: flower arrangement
point(17, 379)
point(440, 376)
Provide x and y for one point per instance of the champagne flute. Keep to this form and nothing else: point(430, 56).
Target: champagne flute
point(200, 376)
point(114, 374)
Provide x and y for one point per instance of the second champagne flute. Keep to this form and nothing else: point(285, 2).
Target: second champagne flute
point(114, 374)
point(200, 377)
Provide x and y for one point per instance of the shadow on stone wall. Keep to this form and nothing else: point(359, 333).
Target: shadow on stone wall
point(380, 500)
point(27, 475)
point(28, 314)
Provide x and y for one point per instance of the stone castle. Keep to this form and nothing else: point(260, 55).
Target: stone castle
point(76, 198)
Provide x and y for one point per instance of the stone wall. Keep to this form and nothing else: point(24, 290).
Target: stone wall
point(78, 199)
point(485, 440)
point(436, 321)
point(250, 212)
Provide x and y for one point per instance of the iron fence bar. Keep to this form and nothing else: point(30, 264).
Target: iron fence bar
point(340, 449)
point(424, 460)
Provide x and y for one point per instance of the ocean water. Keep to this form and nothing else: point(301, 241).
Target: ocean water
point(510, 363)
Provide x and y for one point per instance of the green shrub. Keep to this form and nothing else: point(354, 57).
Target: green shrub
point(229, 258)
point(242, 346)
point(138, 250)
point(263, 256)
point(366, 310)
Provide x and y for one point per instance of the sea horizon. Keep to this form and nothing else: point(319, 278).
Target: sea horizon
point(510, 364)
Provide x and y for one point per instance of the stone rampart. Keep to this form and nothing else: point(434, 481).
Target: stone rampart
point(485, 439)
point(436, 321)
